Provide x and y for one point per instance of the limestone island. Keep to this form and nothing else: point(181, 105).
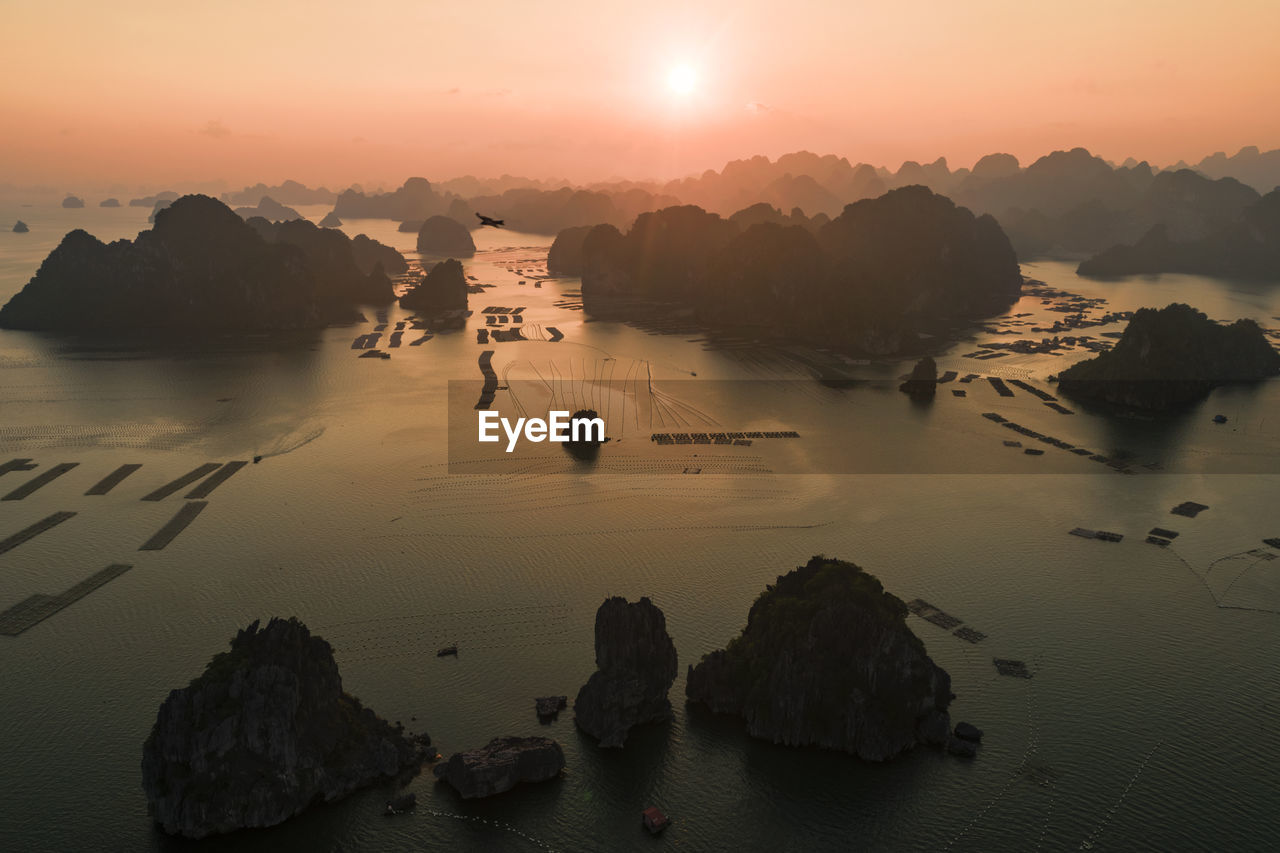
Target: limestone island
point(869, 280)
point(331, 220)
point(441, 235)
point(270, 210)
point(565, 255)
point(73, 201)
point(1172, 357)
point(922, 384)
point(827, 660)
point(20, 227)
point(109, 202)
point(200, 268)
point(443, 288)
point(635, 665)
point(501, 765)
point(263, 733)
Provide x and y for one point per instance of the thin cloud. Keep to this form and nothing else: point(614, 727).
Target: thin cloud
point(215, 130)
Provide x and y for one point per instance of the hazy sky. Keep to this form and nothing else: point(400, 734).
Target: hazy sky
point(139, 92)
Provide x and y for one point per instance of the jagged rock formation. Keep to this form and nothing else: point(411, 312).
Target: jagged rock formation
point(565, 255)
point(331, 220)
point(443, 288)
point(73, 201)
point(441, 235)
point(1258, 169)
point(200, 268)
point(1245, 246)
point(263, 733)
point(635, 665)
point(501, 765)
point(289, 192)
point(1171, 357)
point(922, 384)
point(270, 210)
point(369, 253)
point(109, 202)
point(337, 270)
point(827, 660)
point(151, 200)
point(869, 279)
point(415, 200)
point(20, 227)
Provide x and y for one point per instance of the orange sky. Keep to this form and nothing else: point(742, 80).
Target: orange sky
point(136, 92)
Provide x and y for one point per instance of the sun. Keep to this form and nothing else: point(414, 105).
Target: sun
point(682, 79)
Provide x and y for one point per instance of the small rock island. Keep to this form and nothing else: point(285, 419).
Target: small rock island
point(443, 288)
point(635, 665)
point(20, 227)
point(263, 733)
point(73, 201)
point(1172, 357)
point(441, 235)
point(922, 384)
point(500, 765)
point(827, 660)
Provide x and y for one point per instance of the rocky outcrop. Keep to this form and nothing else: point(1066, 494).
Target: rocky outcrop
point(415, 200)
point(501, 765)
point(335, 267)
point(270, 210)
point(443, 288)
point(441, 235)
point(109, 202)
point(565, 255)
point(369, 253)
point(289, 192)
point(549, 707)
point(73, 201)
point(200, 268)
point(1171, 357)
point(331, 220)
point(922, 384)
point(1246, 246)
point(828, 660)
point(20, 227)
point(635, 665)
point(263, 733)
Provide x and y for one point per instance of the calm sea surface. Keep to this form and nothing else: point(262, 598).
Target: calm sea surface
point(1151, 722)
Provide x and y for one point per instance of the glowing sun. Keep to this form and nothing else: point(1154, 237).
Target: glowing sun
point(682, 79)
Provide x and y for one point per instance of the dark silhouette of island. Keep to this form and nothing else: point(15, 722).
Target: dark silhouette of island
point(565, 255)
point(501, 765)
point(368, 253)
point(73, 201)
point(334, 262)
point(443, 235)
point(265, 732)
point(416, 200)
point(1171, 357)
point(1247, 246)
point(289, 192)
point(635, 665)
point(1258, 169)
point(331, 220)
point(443, 288)
point(922, 384)
point(151, 200)
point(201, 267)
point(827, 660)
point(20, 227)
point(109, 202)
point(871, 279)
point(269, 209)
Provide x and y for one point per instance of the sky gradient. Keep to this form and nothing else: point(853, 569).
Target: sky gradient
point(155, 93)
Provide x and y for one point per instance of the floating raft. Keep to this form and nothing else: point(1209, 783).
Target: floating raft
point(1011, 668)
point(556, 334)
point(1190, 509)
point(969, 635)
point(1274, 543)
point(1156, 540)
point(16, 465)
point(182, 482)
point(1163, 533)
point(998, 384)
point(223, 474)
point(1060, 409)
point(39, 607)
point(420, 341)
point(176, 525)
point(395, 338)
point(1031, 389)
point(489, 391)
point(113, 479)
point(958, 392)
point(947, 377)
point(936, 615)
point(1104, 535)
point(39, 481)
point(34, 530)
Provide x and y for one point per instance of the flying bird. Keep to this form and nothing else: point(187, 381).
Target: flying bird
point(485, 220)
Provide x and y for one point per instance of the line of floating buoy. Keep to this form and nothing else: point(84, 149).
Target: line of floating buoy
point(1087, 843)
point(496, 824)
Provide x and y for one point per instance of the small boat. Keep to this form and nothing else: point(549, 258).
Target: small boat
point(1219, 419)
point(654, 820)
point(448, 650)
point(257, 459)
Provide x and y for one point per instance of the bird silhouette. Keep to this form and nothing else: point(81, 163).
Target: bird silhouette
point(485, 220)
